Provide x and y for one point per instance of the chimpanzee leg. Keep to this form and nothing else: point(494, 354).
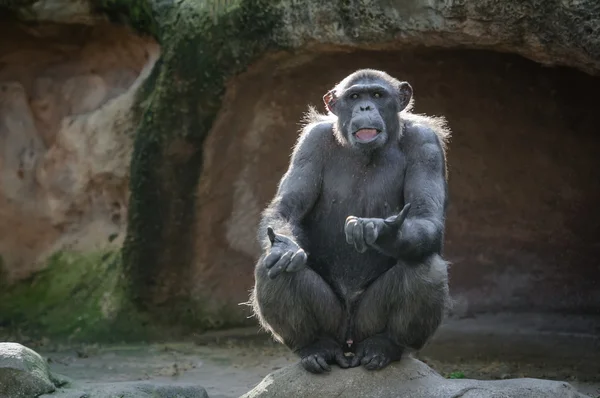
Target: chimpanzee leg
point(402, 309)
point(301, 311)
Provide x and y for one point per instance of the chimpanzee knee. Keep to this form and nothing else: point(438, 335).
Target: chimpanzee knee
point(297, 308)
point(407, 304)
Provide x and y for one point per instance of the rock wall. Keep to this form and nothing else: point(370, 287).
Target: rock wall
point(524, 173)
point(66, 99)
point(520, 231)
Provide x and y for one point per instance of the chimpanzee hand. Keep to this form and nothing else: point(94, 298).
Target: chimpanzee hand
point(285, 255)
point(362, 232)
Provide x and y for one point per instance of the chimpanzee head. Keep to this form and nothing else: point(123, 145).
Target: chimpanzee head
point(367, 104)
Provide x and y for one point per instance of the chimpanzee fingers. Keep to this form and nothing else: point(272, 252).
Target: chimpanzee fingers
point(359, 240)
point(281, 265)
point(351, 221)
point(371, 233)
point(277, 239)
point(403, 214)
point(272, 258)
point(271, 235)
point(297, 261)
point(398, 220)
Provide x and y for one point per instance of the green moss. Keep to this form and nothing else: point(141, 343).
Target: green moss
point(202, 47)
point(456, 375)
point(138, 14)
point(77, 296)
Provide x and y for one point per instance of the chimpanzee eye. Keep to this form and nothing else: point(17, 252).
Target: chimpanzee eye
point(377, 95)
point(354, 96)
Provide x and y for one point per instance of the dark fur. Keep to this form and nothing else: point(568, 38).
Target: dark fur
point(393, 295)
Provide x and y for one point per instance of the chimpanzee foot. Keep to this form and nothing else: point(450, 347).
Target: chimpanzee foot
point(376, 353)
point(317, 357)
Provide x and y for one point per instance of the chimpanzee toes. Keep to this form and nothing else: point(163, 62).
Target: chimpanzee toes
point(356, 360)
point(341, 360)
point(315, 364)
point(377, 362)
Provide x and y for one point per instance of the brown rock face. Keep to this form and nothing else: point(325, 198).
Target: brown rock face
point(524, 174)
point(522, 225)
point(66, 98)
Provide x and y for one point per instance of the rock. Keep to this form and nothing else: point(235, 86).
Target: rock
point(60, 380)
point(23, 372)
point(66, 100)
point(59, 11)
point(132, 390)
point(409, 378)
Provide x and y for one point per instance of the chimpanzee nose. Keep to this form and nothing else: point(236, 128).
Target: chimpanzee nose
point(366, 107)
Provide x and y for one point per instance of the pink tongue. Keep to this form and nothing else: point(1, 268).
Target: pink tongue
point(366, 134)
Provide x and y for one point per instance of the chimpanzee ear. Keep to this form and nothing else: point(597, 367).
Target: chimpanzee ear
point(405, 93)
point(330, 99)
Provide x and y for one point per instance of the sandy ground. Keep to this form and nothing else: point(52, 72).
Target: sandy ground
point(227, 364)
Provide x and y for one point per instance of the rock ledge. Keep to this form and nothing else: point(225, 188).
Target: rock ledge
point(410, 378)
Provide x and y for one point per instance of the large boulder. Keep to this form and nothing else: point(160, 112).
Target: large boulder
point(23, 372)
point(409, 378)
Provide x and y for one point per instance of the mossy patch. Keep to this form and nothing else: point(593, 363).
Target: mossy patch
point(77, 297)
point(138, 14)
point(203, 44)
point(456, 375)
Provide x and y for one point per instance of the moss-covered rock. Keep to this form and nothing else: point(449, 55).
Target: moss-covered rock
point(202, 46)
point(77, 296)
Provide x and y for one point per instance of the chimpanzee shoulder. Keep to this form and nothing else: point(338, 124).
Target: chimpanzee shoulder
point(317, 130)
point(423, 129)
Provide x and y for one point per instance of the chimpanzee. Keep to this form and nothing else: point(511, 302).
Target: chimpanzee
point(352, 270)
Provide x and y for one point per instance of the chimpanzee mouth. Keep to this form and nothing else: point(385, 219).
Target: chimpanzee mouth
point(366, 135)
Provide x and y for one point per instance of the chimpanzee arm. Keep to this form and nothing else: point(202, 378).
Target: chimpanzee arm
point(298, 189)
point(425, 188)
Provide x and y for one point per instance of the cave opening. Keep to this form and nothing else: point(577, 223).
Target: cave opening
point(524, 176)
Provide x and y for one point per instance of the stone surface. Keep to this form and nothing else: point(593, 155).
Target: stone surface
point(66, 108)
point(23, 372)
point(553, 33)
point(131, 390)
point(409, 378)
point(60, 11)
